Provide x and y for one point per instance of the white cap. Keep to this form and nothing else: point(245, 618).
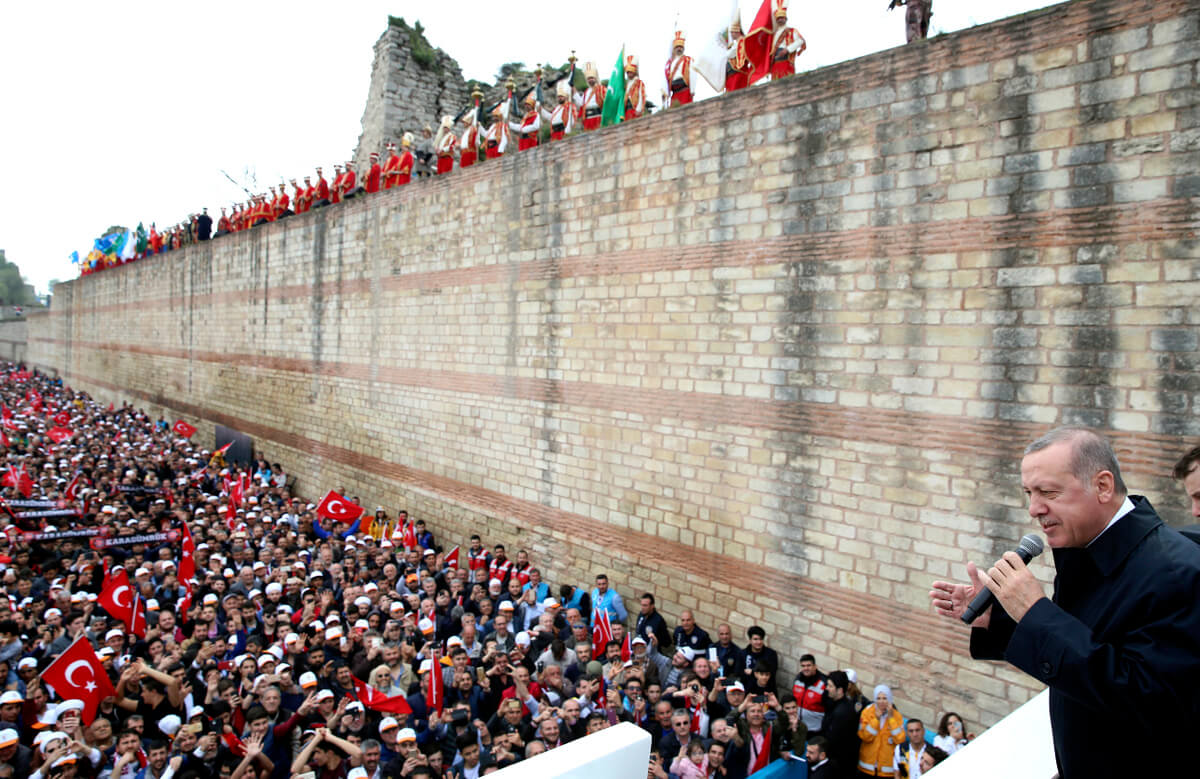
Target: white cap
point(170, 724)
point(11, 696)
point(387, 723)
point(324, 695)
point(523, 639)
point(308, 679)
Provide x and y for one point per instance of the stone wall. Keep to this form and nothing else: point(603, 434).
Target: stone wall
point(772, 356)
point(405, 94)
point(14, 336)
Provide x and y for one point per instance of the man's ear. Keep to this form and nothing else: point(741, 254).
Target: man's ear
point(1105, 485)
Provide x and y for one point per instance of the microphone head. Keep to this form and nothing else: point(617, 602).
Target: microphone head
point(1031, 545)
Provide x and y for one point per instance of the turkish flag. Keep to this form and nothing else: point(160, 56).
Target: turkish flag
point(375, 700)
point(117, 597)
point(59, 434)
point(601, 631)
point(78, 673)
point(626, 649)
point(334, 506)
point(62, 419)
point(4, 439)
point(758, 42)
point(183, 429)
point(187, 555)
point(452, 558)
point(410, 535)
point(137, 617)
point(436, 698)
point(73, 488)
point(19, 480)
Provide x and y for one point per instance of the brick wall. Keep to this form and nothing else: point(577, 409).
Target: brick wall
point(772, 356)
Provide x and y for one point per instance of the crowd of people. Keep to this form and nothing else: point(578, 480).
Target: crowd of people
point(174, 615)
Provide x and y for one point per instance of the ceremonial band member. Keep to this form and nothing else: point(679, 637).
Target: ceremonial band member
point(223, 225)
point(310, 193)
point(405, 168)
point(391, 168)
point(322, 191)
point(335, 189)
point(468, 145)
point(445, 145)
point(349, 181)
point(374, 174)
point(738, 65)
point(679, 73)
point(786, 43)
point(562, 118)
point(591, 102)
point(635, 89)
point(531, 123)
point(496, 137)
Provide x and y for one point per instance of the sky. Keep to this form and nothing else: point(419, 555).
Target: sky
point(120, 112)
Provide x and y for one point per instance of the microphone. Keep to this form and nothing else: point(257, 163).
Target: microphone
point(1029, 548)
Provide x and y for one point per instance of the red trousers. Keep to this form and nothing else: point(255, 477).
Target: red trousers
point(781, 69)
point(467, 159)
point(682, 97)
point(592, 123)
point(493, 152)
point(527, 142)
point(736, 81)
point(630, 114)
point(445, 163)
point(557, 135)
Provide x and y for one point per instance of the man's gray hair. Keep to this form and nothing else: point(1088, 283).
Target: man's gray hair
point(1091, 453)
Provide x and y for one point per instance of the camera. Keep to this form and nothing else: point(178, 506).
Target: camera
point(460, 717)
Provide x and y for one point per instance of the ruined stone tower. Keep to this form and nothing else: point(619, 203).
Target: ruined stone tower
point(413, 84)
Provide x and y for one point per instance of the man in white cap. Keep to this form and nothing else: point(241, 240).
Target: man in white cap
point(445, 145)
point(562, 117)
point(591, 101)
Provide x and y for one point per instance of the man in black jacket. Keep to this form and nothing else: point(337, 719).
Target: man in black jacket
point(650, 622)
point(1121, 637)
point(840, 725)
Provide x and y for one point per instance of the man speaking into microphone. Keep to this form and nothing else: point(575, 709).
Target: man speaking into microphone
point(1119, 643)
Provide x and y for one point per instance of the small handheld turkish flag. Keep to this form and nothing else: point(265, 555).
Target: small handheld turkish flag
point(59, 434)
point(377, 701)
point(452, 558)
point(78, 673)
point(72, 490)
point(334, 506)
point(62, 419)
point(116, 596)
point(183, 429)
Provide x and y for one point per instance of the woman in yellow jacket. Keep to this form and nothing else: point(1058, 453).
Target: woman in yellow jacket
point(880, 729)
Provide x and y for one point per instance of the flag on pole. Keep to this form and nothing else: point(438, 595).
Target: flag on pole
point(614, 99)
point(758, 42)
point(334, 506)
point(601, 631)
point(377, 701)
point(116, 596)
point(451, 559)
point(436, 698)
point(183, 429)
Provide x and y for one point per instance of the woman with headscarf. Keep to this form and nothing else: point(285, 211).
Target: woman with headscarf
point(880, 729)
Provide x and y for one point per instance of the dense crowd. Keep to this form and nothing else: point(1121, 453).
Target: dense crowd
point(255, 638)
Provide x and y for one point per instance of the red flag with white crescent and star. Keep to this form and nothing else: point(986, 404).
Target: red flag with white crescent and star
point(78, 673)
point(601, 631)
point(187, 555)
point(451, 559)
point(116, 597)
point(72, 490)
point(334, 506)
point(376, 701)
point(183, 429)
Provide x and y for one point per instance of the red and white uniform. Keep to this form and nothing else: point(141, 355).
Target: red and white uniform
point(679, 79)
point(635, 98)
point(391, 171)
point(500, 569)
point(468, 146)
point(591, 106)
point(445, 151)
point(478, 564)
point(496, 139)
point(527, 129)
point(373, 176)
point(738, 67)
point(561, 119)
point(786, 43)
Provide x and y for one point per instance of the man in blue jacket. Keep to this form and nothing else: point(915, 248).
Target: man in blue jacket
point(1119, 643)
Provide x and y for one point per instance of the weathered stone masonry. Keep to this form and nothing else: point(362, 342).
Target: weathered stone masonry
point(773, 354)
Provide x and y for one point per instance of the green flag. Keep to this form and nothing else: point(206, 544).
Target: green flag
point(142, 239)
point(614, 100)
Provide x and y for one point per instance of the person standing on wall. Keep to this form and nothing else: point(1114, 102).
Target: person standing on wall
point(1119, 642)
